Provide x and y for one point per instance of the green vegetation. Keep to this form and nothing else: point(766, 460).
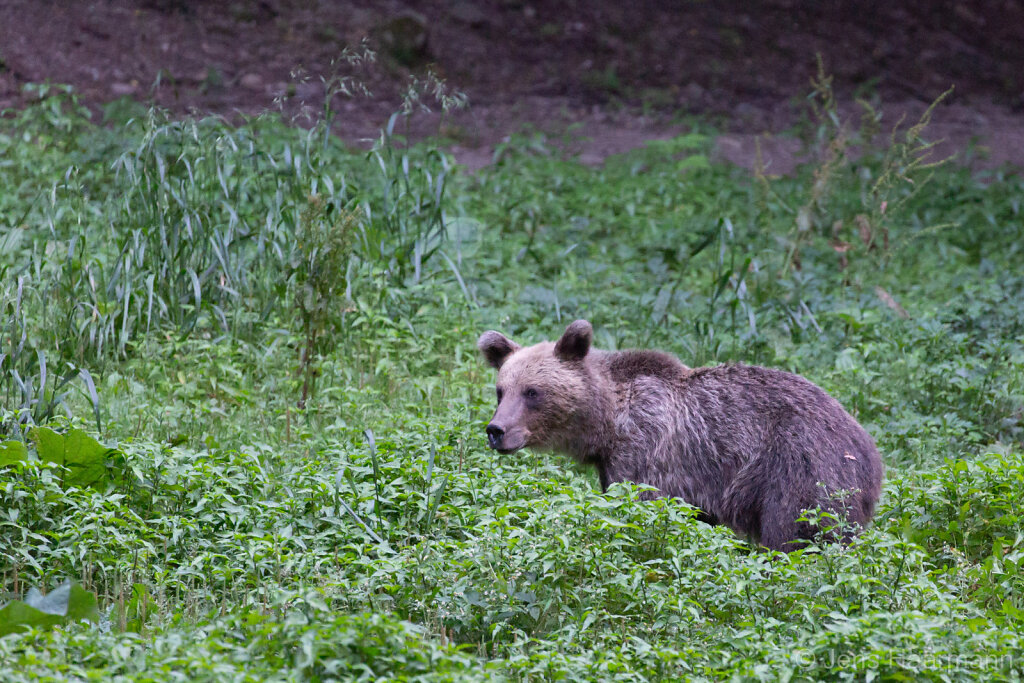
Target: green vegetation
point(242, 406)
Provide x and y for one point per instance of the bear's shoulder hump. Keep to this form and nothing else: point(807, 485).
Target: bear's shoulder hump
point(625, 366)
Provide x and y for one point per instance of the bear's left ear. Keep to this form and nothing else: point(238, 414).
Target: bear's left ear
point(496, 348)
point(575, 341)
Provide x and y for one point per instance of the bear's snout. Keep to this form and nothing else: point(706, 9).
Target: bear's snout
point(494, 436)
point(506, 441)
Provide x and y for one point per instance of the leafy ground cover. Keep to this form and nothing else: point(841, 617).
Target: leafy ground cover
point(242, 405)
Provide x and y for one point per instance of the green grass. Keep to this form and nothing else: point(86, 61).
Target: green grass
point(275, 337)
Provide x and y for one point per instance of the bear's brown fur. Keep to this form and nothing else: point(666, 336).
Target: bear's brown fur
point(750, 446)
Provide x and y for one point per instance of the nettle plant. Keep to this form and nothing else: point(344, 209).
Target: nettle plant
point(319, 268)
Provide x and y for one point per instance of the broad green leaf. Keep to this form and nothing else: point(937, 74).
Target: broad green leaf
point(49, 444)
point(68, 604)
point(83, 456)
point(12, 452)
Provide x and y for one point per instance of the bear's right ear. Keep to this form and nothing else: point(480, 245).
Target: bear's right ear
point(496, 347)
point(575, 341)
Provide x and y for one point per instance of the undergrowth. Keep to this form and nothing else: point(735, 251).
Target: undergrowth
point(272, 339)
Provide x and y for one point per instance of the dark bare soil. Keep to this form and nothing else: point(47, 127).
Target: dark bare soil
point(624, 72)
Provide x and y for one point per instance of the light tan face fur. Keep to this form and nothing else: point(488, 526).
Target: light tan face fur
point(538, 394)
point(539, 388)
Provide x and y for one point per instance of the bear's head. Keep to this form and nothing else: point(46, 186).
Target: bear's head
point(540, 388)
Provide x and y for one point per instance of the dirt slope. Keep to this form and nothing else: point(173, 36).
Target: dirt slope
point(624, 72)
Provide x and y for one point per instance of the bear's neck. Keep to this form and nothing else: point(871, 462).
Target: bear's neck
point(593, 440)
point(615, 377)
point(596, 445)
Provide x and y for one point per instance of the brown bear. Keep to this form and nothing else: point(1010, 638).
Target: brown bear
point(751, 447)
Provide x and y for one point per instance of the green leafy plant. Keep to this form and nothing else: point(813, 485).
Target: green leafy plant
point(319, 268)
point(885, 184)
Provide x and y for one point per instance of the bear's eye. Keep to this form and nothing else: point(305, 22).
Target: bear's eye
point(499, 392)
point(530, 393)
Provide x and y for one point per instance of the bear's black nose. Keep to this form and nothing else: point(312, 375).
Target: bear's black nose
point(494, 434)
